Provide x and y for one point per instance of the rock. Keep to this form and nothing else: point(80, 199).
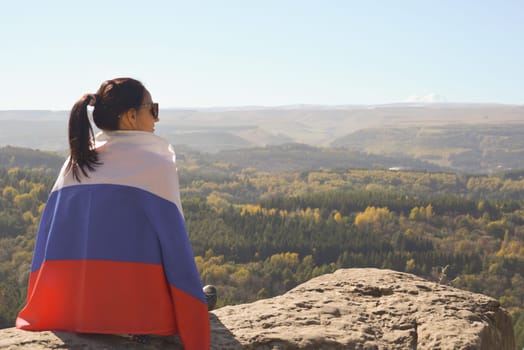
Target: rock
point(14, 339)
point(348, 309)
point(370, 309)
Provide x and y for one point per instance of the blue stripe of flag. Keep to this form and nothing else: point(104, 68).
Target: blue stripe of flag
point(117, 223)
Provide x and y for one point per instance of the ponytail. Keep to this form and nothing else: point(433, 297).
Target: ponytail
point(83, 157)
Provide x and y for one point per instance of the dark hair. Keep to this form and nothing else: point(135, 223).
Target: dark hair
point(113, 98)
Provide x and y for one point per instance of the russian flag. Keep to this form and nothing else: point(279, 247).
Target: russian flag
point(112, 253)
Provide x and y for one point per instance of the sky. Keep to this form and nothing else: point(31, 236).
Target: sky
point(263, 53)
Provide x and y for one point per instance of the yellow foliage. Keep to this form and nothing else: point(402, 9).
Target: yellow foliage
point(416, 214)
point(309, 213)
point(513, 185)
point(28, 216)
point(495, 268)
point(373, 215)
point(251, 209)
point(199, 263)
point(375, 188)
point(241, 276)
point(429, 211)
point(20, 257)
point(486, 183)
point(421, 213)
point(254, 209)
point(410, 265)
point(283, 260)
point(41, 209)
point(214, 260)
point(37, 190)
point(217, 200)
point(24, 201)
point(9, 193)
point(511, 249)
point(217, 273)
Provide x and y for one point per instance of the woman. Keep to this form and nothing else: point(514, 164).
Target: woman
point(112, 253)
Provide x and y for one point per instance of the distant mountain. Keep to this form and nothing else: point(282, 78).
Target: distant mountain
point(367, 128)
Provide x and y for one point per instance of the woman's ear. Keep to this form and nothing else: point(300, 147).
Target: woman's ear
point(128, 120)
point(131, 114)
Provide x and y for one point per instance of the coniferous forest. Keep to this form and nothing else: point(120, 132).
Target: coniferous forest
point(258, 234)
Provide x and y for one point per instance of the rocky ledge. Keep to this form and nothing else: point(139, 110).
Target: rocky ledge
point(348, 309)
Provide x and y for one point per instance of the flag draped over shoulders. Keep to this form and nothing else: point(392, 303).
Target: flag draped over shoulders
point(112, 253)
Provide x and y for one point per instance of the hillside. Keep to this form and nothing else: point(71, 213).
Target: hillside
point(18, 157)
point(285, 157)
point(295, 157)
point(464, 148)
point(257, 234)
point(471, 138)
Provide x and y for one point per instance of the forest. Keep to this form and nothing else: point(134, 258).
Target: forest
point(257, 234)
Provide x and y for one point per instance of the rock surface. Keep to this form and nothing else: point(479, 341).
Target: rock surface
point(348, 309)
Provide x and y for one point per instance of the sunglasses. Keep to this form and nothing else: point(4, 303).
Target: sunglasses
point(153, 110)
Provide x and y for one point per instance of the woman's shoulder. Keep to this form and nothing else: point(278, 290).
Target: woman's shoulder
point(135, 143)
point(129, 137)
point(130, 155)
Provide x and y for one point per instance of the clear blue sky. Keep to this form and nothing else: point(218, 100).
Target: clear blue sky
point(234, 53)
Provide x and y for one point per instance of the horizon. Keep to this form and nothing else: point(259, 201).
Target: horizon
point(220, 55)
point(306, 106)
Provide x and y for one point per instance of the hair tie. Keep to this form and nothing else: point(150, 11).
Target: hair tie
point(92, 99)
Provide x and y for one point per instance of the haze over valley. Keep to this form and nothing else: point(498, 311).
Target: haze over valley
point(477, 138)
